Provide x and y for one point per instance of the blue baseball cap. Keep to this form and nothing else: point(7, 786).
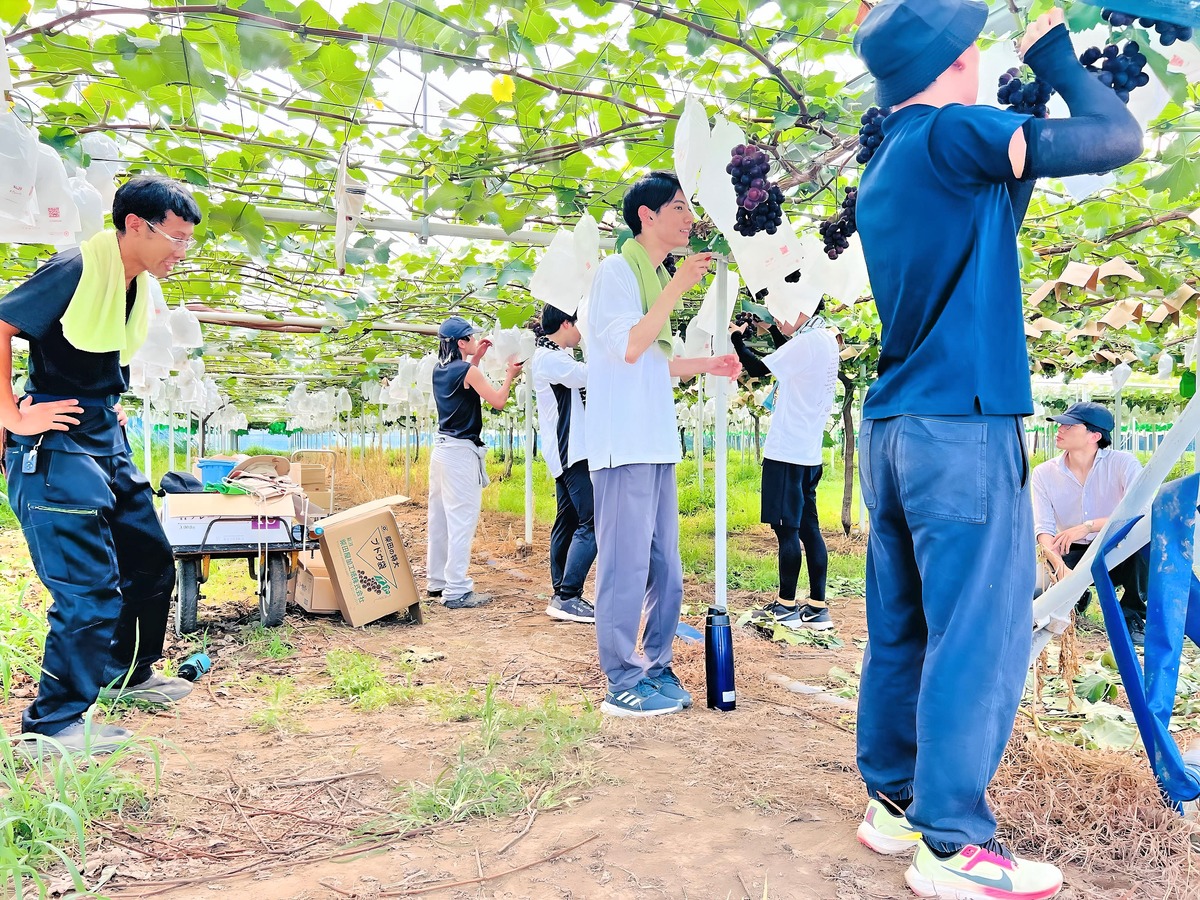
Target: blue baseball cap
point(457, 328)
point(1096, 417)
point(907, 44)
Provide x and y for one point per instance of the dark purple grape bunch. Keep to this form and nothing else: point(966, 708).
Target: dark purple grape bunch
point(1119, 68)
point(1025, 97)
point(836, 232)
point(760, 203)
point(870, 133)
point(1168, 32)
point(745, 317)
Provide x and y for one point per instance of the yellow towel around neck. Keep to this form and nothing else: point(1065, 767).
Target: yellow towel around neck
point(95, 320)
point(651, 280)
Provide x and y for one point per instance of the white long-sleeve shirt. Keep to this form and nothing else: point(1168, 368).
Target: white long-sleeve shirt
point(1060, 501)
point(557, 378)
point(630, 411)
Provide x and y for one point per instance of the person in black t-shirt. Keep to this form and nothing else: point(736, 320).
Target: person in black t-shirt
point(457, 475)
point(86, 511)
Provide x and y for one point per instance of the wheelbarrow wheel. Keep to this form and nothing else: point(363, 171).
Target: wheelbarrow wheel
point(272, 603)
point(187, 595)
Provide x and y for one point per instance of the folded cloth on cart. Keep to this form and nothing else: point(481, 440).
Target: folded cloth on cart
point(269, 486)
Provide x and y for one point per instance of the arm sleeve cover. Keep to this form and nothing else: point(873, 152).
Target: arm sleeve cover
point(1101, 133)
point(751, 361)
point(777, 336)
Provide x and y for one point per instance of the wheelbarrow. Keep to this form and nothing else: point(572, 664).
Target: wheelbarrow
point(267, 540)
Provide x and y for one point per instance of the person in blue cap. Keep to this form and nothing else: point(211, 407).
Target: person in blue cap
point(457, 474)
point(86, 511)
point(1073, 496)
point(944, 468)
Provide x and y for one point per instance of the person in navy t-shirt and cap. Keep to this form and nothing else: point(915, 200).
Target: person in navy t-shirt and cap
point(457, 474)
point(944, 469)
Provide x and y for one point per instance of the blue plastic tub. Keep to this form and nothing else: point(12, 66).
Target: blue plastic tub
point(213, 471)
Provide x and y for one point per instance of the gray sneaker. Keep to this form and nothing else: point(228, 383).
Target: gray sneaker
point(84, 738)
point(469, 600)
point(158, 688)
point(571, 609)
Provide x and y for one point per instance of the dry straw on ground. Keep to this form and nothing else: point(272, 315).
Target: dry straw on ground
point(1096, 810)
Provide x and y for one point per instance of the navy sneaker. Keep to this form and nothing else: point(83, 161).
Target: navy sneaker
point(571, 609)
point(668, 684)
point(469, 600)
point(640, 700)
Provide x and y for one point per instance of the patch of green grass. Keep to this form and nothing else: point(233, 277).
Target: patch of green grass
point(47, 808)
point(280, 714)
point(521, 755)
point(22, 634)
point(271, 643)
point(465, 790)
point(357, 677)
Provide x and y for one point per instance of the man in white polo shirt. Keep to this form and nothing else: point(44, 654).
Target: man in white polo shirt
point(558, 379)
point(633, 445)
point(1075, 493)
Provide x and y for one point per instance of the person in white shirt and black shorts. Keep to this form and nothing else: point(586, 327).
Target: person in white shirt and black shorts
point(805, 368)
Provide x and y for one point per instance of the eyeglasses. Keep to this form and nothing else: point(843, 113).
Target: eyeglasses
point(185, 243)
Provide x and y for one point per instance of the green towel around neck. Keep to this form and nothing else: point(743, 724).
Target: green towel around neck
point(95, 320)
point(651, 282)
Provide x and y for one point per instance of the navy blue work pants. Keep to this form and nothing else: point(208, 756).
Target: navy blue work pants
point(950, 573)
point(573, 537)
point(99, 549)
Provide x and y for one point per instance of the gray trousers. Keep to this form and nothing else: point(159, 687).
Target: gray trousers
point(637, 570)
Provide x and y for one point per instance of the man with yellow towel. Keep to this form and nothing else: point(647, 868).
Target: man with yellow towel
point(87, 512)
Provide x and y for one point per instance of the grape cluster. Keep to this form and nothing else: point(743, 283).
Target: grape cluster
point(836, 232)
point(793, 278)
point(870, 133)
point(747, 318)
point(1168, 32)
point(1026, 97)
point(760, 203)
point(1119, 68)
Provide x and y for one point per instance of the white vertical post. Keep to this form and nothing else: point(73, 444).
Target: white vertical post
point(720, 346)
point(407, 455)
point(147, 437)
point(529, 460)
point(187, 439)
point(698, 441)
point(170, 434)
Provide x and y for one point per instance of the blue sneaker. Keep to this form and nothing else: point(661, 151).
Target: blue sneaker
point(640, 700)
point(668, 684)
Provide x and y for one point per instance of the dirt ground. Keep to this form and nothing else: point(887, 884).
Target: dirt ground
point(757, 803)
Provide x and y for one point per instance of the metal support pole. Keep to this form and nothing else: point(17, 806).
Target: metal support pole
point(720, 346)
point(698, 441)
point(529, 461)
point(147, 437)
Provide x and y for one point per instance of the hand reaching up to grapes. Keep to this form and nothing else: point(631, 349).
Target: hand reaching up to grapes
point(691, 270)
point(1038, 28)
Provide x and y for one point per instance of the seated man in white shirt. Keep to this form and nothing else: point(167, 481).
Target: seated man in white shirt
point(558, 379)
point(1075, 493)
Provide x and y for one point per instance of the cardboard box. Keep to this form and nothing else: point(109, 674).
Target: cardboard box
point(213, 519)
point(309, 475)
point(314, 593)
point(323, 499)
point(367, 563)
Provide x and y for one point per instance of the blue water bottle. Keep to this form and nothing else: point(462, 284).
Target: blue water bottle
point(718, 660)
point(194, 666)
